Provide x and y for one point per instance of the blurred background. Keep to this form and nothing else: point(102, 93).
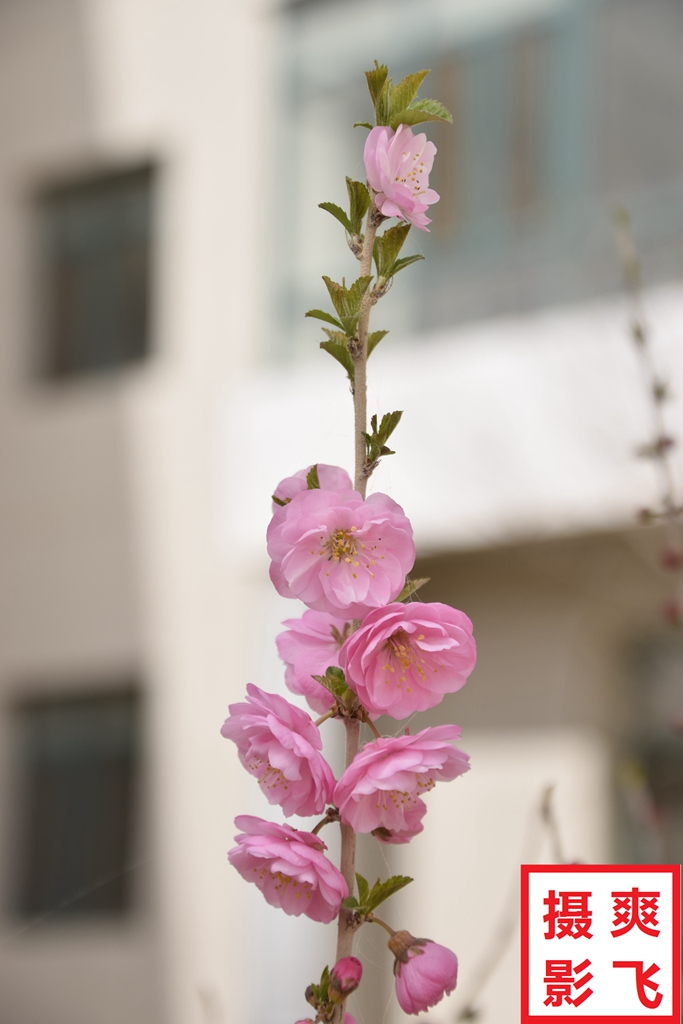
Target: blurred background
point(161, 162)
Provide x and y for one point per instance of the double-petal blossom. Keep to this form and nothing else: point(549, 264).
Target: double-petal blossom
point(397, 165)
point(280, 745)
point(383, 785)
point(405, 657)
point(338, 553)
point(289, 867)
point(309, 647)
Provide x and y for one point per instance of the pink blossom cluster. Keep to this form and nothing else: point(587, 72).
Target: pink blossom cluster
point(347, 558)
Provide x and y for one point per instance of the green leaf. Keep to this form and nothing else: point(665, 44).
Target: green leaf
point(337, 212)
point(374, 340)
point(390, 421)
point(387, 247)
point(318, 995)
point(359, 204)
point(320, 314)
point(410, 588)
point(381, 891)
point(363, 124)
point(334, 681)
point(403, 94)
point(345, 300)
point(356, 293)
point(420, 111)
point(350, 903)
point(378, 85)
point(312, 482)
point(377, 80)
point(280, 501)
point(404, 262)
point(340, 352)
point(363, 888)
point(375, 443)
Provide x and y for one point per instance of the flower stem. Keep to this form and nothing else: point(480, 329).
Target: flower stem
point(381, 923)
point(373, 728)
point(328, 714)
point(360, 382)
point(345, 931)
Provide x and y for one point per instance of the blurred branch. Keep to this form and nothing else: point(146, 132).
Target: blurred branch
point(542, 822)
point(659, 449)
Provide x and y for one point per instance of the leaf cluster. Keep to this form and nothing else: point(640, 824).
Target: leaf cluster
point(398, 104)
point(319, 995)
point(370, 898)
point(376, 442)
point(347, 303)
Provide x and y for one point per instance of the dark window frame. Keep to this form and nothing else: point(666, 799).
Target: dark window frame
point(95, 237)
point(75, 802)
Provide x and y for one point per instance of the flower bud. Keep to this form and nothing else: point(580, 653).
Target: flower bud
point(344, 978)
point(425, 971)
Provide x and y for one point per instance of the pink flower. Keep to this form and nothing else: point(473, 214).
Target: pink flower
point(382, 786)
point(405, 657)
point(289, 867)
point(345, 978)
point(280, 746)
point(330, 478)
point(397, 165)
point(308, 648)
point(425, 971)
point(413, 817)
point(338, 553)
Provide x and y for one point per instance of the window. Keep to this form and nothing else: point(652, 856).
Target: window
point(78, 768)
point(95, 238)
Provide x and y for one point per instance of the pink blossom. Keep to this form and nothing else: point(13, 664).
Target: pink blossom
point(289, 867)
point(345, 978)
point(280, 746)
point(382, 786)
point(413, 818)
point(405, 657)
point(338, 553)
point(330, 478)
point(425, 972)
point(397, 165)
point(308, 648)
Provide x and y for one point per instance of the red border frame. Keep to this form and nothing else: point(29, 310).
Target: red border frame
point(675, 870)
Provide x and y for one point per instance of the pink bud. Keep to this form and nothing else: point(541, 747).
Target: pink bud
point(345, 978)
point(425, 971)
